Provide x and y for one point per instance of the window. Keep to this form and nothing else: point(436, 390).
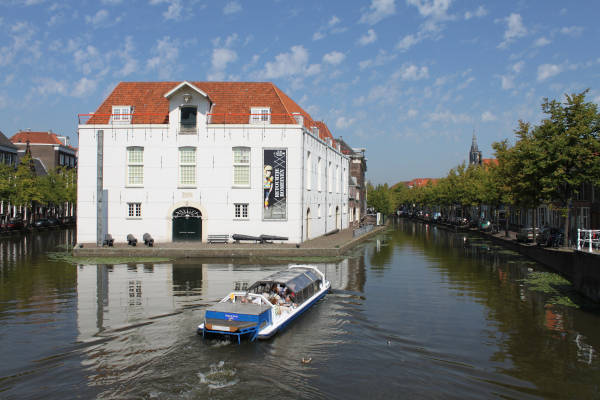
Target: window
point(260, 115)
point(135, 166)
point(241, 210)
point(329, 211)
point(337, 178)
point(345, 180)
point(241, 166)
point(319, 175)
point(187, 166)
point(319, 210)
point(188, 118)
point(308, 171)
point(134, 210)
point(121, 114)
point(61, 159)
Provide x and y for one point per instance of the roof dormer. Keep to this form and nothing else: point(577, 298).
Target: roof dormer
point(188, 106)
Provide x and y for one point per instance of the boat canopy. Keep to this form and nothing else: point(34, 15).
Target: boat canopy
point(295, 279)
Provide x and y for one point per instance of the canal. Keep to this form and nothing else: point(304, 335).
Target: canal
point(415, 312)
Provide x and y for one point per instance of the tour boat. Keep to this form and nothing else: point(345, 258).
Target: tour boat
point(268, 305)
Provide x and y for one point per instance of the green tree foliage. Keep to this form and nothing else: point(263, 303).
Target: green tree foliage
point(25, 188)
point(380, 198)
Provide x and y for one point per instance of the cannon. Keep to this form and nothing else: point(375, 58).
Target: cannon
point(108, 240)
point(148, 240)
point(131, 240)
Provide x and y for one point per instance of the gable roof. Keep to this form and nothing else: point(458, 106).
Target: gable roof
point(36, 138)
point(5, 142)
point(232, 102)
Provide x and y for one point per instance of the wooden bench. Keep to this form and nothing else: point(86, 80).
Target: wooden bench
point(218, 239)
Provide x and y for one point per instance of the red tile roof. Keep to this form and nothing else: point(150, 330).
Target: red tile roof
point(489, 161)
point(231, 102)
point(35, 137)
point(420, 182)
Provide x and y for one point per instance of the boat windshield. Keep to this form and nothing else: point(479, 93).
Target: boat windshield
point(295, 279)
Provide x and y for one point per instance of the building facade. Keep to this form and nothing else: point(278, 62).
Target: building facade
point(357, 200)
point(49, 148)
point(186, 160)
point(8, 151)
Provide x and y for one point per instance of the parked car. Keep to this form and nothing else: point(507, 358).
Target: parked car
point(14, 224)
point(40, 223)
point(525, 235)
point(550, 237)
point(68, 220)
point(53, 221)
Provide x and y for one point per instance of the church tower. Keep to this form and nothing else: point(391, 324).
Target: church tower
point(475, 157)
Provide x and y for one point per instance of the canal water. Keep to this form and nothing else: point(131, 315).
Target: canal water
point(415, 312)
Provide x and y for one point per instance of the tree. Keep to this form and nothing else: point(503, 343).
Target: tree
point(570, 139)
point(25, 191)
point(380, 198)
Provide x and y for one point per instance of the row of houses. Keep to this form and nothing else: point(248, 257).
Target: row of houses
point(47, 150)
point(584, 213)
point(195, 160)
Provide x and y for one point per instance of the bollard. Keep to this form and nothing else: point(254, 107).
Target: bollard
point(148, 240)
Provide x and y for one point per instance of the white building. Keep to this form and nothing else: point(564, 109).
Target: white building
point(182, 161)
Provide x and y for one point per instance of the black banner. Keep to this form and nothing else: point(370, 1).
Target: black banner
point(274, 183)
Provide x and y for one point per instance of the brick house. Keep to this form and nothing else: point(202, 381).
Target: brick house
point(49, 148)
point(357, 200)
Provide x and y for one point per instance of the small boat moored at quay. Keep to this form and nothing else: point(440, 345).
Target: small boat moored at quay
point(268, 305)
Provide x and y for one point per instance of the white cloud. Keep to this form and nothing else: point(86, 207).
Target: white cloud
point(222, 57)
point(232, 7)
point(407, 42)
point(507, 82)
point(411, 73)
point(173, 11)
point(88, 59)
point(541, 42)
point(480, 12)
point(546, 71)
point(333, 21)
point(318, 36)
point(412, 113)
point(84, 87)
point(292, 63)
point(431, 8)
point(49, 86)
point(488, 116)
point(344, 122)
point(514, 29)
point(380, 59)
point(165, 60)
point(97, 18)
point(126, 54)
point(334, 58)
point(378, 10)
point(447, 116)
point(367, 38)
point(572, 30)
point(518, 67)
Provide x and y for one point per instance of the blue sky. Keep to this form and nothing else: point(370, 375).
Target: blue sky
point(410, 80)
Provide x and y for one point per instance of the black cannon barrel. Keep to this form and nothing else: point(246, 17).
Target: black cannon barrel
point(131, 240)
point(148, 240)
point(108, 240)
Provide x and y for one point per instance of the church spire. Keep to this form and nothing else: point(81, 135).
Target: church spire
point(475, 157)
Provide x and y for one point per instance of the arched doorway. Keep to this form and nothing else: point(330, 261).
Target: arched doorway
point(187, 224)
point(307, 223)
point(338, 218)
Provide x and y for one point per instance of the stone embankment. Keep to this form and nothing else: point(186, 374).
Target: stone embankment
point(333, 245)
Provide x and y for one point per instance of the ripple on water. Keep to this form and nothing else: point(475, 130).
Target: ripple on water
point(219, 376)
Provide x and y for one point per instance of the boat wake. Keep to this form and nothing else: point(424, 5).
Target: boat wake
point(219, 376)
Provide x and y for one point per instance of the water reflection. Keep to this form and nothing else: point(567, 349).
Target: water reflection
point(412, 306)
